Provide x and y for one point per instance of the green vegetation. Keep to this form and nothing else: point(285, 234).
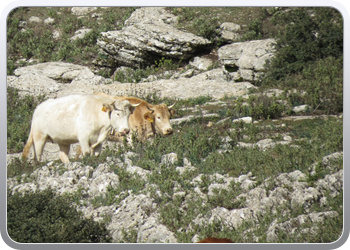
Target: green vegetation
point(36, 41)
point(161, 68)
point(310, 34)
point(19, 117)
point(43, 217)
point(310, 57)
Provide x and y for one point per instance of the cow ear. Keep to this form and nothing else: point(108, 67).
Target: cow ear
point(107, 107)
point(149, 116)
point(132, 109)
point(172, 112)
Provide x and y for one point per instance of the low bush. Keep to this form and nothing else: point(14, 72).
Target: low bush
point(159, 69)
point(254, 31)
point(43, 217)
point(310, 34)
point(264, 107)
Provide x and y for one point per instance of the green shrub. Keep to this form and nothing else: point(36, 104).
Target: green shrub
point(207, 28)
point(226, 198)
point(265, 107)
point(254, 31)
point(310, 34)
point(319, 84)
point(323, 83)
point(159, 69)
point(42, 217)
point(19, 166)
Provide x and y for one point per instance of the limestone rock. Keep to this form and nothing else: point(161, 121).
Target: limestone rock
point(245, 61)
point(80, 11)
point(230, 31)
point(154, 232)
point(53, 70)
point(301, 108)
point(145, 42)
point(159, 14)
point(169, 159)
point(130, 215)
point(244, 119)
point(33, 84)
point(79, 34)
point(49, 21)
point(291, 226)
point(201, 63)
point(34, 19)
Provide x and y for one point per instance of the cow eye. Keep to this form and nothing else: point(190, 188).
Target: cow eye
point(158, 117)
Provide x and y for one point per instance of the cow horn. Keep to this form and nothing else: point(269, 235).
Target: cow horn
point(152, 109)
point(135, 105)
point(170, 107)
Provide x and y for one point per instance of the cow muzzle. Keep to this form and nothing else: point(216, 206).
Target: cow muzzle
point(168, 131)
point(125, 131)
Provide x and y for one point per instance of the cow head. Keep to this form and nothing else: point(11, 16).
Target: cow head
point(119, 112)
point(159, 116)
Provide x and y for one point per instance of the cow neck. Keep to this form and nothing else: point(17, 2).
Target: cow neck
point(153, 126)
point(110, 127)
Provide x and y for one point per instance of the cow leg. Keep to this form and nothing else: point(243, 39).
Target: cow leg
point(85, 148)
point(97, 146)
point(39, 140)
point(64, 151)
point(101, 138)
point(96, 150)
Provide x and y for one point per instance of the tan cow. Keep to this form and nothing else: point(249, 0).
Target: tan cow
point(86, 119)
point(215, 240)
point(148, 120)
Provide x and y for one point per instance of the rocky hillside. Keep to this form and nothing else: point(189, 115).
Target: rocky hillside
point(249, 161)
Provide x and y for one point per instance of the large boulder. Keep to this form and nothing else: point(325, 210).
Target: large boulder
point(141, 44)
point(51, 78)
point(246, 60)
point(159, 14)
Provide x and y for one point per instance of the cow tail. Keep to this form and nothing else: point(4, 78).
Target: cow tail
point(28, 145)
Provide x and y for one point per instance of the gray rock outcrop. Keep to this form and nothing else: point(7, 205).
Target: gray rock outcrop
point(158, 14)
point(56, 79)
point(139, 214)
point(230, 32)
point(246, 60)
point(141, 44)
point(79, 34)
point(80, 11)
point(290, 191)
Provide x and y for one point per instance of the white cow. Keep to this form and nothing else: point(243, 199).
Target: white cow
point(86, 119)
